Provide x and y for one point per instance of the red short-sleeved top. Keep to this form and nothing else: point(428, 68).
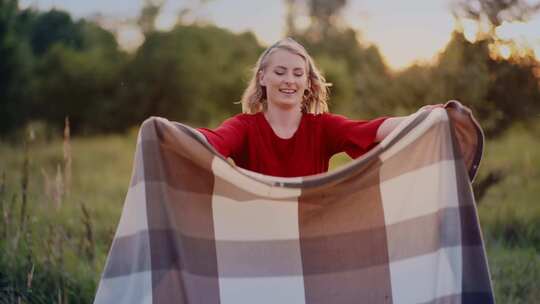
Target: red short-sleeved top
point(250, 141)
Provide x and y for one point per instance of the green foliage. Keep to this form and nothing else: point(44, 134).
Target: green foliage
point(25, 278)
point(500, 92)
point(59, 67)
point(149, 14)
point(55, 67)
point(336, 72)
point(462, 71)
point(357, 72)
point(58, 252)
point(514, 95)
point(79, 84)
point(74, 68)
point(55, 27)
point(510, 210)
point(192, 74)
point(514, 273)
point(14, 70)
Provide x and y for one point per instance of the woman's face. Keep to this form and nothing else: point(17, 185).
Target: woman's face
point(285, 79)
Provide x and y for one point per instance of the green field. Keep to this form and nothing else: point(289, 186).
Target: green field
point(53, 250)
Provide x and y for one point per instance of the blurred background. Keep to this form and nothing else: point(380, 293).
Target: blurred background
point(78, 77)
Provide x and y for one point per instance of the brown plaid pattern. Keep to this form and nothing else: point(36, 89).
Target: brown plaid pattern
point(398, 225)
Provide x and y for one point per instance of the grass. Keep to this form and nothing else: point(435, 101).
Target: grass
point(65, 242)
point(515, 272)
point(54, 250)
point(510, 212)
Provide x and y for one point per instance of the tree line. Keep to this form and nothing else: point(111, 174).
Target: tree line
point(53, 66)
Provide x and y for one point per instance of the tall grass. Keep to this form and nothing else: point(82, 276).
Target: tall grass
point(57, 225)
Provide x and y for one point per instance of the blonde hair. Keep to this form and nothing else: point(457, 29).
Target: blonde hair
point(315, 97)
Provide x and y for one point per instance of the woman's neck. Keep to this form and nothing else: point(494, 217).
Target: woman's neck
point(284, 122)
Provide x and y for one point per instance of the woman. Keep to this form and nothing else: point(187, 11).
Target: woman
point(285, 129)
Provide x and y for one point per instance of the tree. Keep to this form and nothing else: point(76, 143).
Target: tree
point(356, 70)
point(291, 16)
point(325, 17)
point(191, 74)
point(149, 14)
point(55, 27)
point(80, 84)
point(494, 12)
point(500, 92)
point(14, 69)
point(79, 80)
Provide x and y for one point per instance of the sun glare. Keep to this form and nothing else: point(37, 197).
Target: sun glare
point(129, 37)
point(505, 51)
point(470, 30)
point(166, 21)
point(537, 52)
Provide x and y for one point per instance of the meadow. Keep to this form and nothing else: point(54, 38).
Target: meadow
point(60, 202)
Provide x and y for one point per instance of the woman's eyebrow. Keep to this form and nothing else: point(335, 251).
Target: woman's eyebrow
point(283, 67)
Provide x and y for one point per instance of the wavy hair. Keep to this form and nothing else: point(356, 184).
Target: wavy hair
point(315, 97)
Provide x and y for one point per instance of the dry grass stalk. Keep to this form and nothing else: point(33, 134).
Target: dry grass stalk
point(12, 229)
point(48, 186)
point(59, 234)
point(89, 235)
point(7, 216)
point(67, 158)
point(59, 188)
point(30, 277)
point(3, 184)
point(24, 188)
point(23, 217)
point(2, 204)
point(54, 189)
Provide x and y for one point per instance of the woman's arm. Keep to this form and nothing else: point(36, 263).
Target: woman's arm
point(388, 126)
point(229, 138)
point(391, 123)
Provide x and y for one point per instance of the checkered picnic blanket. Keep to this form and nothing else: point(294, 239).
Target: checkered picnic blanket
point(397, 225)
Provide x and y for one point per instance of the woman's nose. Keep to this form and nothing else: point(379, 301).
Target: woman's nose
point(288, 79)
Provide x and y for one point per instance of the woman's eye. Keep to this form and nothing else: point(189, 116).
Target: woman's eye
point(279, 73)
point(299, 74)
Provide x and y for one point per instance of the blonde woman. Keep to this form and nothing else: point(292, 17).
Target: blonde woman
point(285, 128)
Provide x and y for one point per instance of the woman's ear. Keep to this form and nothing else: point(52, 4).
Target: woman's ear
point(260, 77)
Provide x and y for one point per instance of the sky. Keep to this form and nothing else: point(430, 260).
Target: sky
point(387, 24)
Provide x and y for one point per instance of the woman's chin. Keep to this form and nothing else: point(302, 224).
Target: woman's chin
point(286, 100)
point(287, 103)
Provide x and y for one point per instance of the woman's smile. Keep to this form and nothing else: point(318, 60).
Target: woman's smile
point(288, 92)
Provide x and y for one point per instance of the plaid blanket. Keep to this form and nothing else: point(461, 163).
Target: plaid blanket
point(397, 225)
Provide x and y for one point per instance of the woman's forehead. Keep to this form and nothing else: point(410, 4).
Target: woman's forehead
point(287, 59)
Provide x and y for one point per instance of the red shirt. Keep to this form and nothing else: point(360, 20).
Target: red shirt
point(250, 141)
